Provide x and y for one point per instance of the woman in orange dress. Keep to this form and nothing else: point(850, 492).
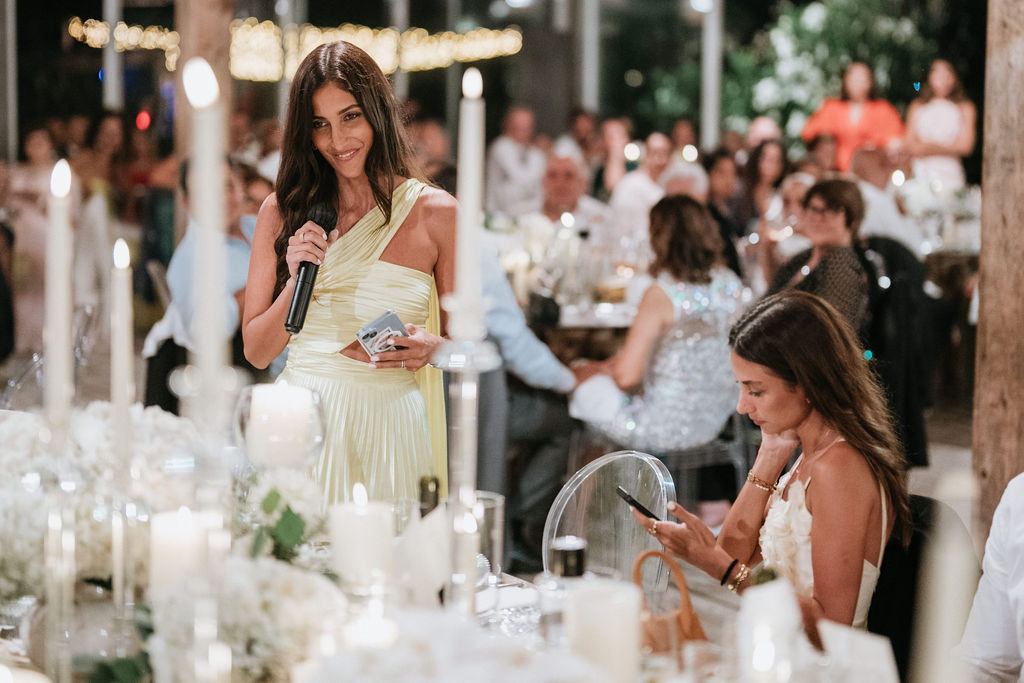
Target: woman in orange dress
point(859, 118)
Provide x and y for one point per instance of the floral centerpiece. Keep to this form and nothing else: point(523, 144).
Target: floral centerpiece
point(29, 469)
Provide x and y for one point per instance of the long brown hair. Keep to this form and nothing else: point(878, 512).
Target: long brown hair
point(684, 239)
point(305, 178)
point(806, 342)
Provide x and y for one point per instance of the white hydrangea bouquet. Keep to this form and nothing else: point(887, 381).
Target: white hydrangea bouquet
point(29, 467)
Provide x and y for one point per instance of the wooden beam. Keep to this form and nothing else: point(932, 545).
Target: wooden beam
point(999, 378)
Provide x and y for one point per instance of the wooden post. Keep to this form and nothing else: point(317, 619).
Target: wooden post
point(204, 28)
point(999, 377)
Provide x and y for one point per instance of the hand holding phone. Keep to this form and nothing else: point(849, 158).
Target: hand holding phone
point(374, 335)
point(633, 502)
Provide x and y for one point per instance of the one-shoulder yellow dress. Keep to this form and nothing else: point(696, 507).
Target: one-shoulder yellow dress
point(384, 427)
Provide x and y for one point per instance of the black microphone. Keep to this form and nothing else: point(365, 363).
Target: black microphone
point(324, 215)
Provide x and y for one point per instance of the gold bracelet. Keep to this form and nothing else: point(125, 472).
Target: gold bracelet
point(759, 482)
point(741, 576)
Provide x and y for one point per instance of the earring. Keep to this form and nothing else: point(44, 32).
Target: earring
point(808, 400)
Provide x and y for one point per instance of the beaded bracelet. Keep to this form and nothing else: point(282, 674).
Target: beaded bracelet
point(741, 576)
point(728, 571)
point(759, 482)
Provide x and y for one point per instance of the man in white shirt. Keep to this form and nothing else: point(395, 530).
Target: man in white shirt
point(882, 216)
point(514, 167)
point(993, 641)
point(637, 192)
point(564, 184)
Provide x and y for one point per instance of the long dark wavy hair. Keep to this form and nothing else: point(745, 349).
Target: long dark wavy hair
point(305, 178)
point(806, 342)
point(684, 239)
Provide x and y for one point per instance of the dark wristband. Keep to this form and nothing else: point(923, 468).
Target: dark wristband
point(728, 571)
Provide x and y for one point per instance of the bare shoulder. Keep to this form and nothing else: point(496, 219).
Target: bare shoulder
point(437, 209)
point(268, 220)
point(842, 471)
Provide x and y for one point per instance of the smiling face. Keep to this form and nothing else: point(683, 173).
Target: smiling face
point(341, 132)
point(772, 403)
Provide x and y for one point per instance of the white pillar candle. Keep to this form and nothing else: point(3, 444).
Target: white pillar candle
point(12, 675)
point(122, 351)
point(278, 430)
point(361, 540)
point(59, 387)
point(467, 319)
point(175, 547)
point(602, 624)
point(206, 192)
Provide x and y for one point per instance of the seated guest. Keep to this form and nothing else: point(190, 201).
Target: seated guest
point(824, 524)
point(831, 269)
point(762, 174)
point(780, 238)
point(822, 152)
point(720, 165)
point(532, 414)
point(514, 167)
point(169, 340)
point(638, 191)
point(882, 215)
point(686, 178)
point(564, 183)
point(993, 641)
point(612, 165)
point(675, 358)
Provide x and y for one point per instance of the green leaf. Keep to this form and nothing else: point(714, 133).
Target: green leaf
point(271, 501)
point(258, 541)
point(289, 529)
point(127, 671)
point(102, 673)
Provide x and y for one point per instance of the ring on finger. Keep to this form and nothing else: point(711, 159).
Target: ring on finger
point(654, 529)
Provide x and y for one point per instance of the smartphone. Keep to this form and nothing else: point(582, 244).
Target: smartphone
point(373, 336)
point(632, 501)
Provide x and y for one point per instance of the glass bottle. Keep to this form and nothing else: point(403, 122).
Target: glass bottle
point(568, 564)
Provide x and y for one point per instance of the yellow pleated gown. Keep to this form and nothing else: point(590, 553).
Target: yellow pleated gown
point(384, 427)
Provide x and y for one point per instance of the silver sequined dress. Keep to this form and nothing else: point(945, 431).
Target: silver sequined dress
point(688, 389)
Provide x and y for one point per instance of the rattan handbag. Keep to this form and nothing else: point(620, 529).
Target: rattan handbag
point(665, 632)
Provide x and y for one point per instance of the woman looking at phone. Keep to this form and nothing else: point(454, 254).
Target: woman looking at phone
point(823, 524)
point(391, 247)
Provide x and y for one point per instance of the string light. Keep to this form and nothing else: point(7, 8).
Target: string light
point(263, 51)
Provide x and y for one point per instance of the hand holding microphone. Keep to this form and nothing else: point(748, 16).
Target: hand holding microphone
point(308, 245)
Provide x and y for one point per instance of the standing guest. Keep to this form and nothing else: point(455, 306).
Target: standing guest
point(940, 128)
point(96, 165)
point(270, 148)
point(675, 361)
point(613, 165)
point(514, 167)
point(640, 190)
point(433, 152)
point(683, 135)
point(993, 641)
point(392, 246)
point(722, 178)
point(133, 175)
point(858, 118)
point(27, 190)
point(172, 337)
point(824, 524)
point(76, 136)
point(583, 134)
point(762, 175)
point(831, 269)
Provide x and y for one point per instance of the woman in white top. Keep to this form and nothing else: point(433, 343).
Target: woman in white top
point(940, 128)
point(825, 523)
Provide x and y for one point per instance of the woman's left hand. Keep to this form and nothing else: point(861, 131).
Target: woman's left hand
point(418, 350)
point(689, 539)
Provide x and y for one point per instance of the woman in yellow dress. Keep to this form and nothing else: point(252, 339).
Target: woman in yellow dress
point(392, 247)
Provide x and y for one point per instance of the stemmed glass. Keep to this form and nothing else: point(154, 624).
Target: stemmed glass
point(280, 425)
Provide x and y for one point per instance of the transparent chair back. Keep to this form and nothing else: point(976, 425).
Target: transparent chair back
point(24, 390)
point(589, 507)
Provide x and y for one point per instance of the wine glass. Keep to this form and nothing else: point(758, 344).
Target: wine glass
point(280, 425)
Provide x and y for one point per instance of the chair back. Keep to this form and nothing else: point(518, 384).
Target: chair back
point(895, 605)
point(24, 390)
point(589, 507)
point(158, 276)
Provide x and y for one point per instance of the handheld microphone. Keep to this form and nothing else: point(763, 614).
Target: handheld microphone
point(324, 215)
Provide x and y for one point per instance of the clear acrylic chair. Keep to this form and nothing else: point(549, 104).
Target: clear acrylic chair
point(588, 507)
point(24, 390)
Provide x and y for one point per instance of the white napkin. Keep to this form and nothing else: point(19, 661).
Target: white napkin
point(423, 557)
point(596, 400)
point(867, 656)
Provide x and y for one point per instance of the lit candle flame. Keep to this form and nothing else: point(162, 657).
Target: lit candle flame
point(359, 496)
point(121, 256)
point(200, 83)
point(60, 179)
point(472, 83)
